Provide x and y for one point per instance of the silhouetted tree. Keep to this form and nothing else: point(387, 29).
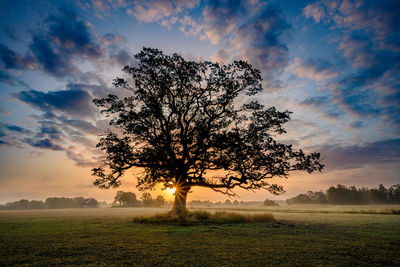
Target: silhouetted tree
point(160, 201)
point(63, 202)
point(147, 199)
point(380, 195)
point(312, 197)
point(394, 193)
point(90, 203)
point(185, 118)
point(269, 203)
point(125, 199)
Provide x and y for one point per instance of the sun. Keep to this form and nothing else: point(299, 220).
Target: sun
point(171, 190)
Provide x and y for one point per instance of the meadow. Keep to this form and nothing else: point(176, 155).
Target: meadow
point(298, 236)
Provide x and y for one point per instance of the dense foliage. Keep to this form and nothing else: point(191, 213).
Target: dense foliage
point(350, 195)
point(184, 120)
point(125, 199)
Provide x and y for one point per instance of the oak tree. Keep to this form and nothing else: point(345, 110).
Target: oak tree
point(185, 125)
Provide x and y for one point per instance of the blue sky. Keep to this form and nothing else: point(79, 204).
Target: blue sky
point(334, 64)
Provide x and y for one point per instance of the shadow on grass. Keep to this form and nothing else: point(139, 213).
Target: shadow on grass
point(205, 218)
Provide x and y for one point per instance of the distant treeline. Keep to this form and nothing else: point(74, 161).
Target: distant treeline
point(52, 203)
point(350, 195)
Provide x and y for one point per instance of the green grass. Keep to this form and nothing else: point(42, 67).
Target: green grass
point(293, 239)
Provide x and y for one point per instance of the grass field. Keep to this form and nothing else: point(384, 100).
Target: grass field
point(313, 235)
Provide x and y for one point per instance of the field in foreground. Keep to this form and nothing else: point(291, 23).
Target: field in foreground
point(108, 237)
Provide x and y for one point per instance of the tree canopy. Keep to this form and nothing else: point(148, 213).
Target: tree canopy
point(125, 199)
point(188, 123)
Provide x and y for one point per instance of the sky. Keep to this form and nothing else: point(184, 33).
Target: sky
point(334, 64)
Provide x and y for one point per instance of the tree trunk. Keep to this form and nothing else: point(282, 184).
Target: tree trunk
point(179, 207)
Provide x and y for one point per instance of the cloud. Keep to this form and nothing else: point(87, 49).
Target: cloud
point(3, 110)
point(50, 59)
point(45, 143)
point(61, 43)
point(353, 95)
point(84, 126)
point(4, 143)
point(337, 157)
point(157, 10)
point(357, 49)
point(102, 8)
point(256, 37)
point(11, 134)
point(10, 32)
point(110, 38)
point(62, 40)
point(221, 18)
point(51, 130)
point(69, 121)
point(72, 102)
point(371, 44)
point(72, 34)
point(322, 104)
point(356, 125)
point(189, 26)
point(379, 19)
point(6, 138)
point(316, 11)
point(65, 39)
point(148, 11)
point(81, 159)
point(18, 129)
point(251, 30)
point(120, 57)
point(5, 77)
point(73, 136)
point(12, 60)
point(313, 68)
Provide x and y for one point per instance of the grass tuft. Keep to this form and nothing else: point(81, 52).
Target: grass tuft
point(205, 218)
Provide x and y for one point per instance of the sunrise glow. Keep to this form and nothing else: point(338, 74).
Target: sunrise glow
point(171, 190)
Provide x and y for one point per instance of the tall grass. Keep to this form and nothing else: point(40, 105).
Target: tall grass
point(204, 218)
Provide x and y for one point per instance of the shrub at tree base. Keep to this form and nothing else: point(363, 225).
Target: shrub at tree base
point(204, 217)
